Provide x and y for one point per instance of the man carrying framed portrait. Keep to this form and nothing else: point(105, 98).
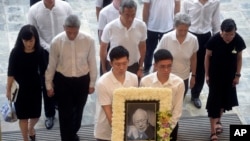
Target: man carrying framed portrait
point(117, 77)
point(162, 78)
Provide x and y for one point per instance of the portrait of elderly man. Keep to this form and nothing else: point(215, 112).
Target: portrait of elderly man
point(141, 128)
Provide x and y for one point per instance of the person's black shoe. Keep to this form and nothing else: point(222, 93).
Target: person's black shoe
point(197, 102)
point(49, 122)
point(33, 138)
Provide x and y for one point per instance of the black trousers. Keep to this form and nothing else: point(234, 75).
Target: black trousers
point(186, 82)
point(174, 133)
point(72, 94)
point(200, 70)
point(49, 102)
point(152, 41)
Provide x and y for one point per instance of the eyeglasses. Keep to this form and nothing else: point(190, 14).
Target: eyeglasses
point(121, 64)
point(140, 121)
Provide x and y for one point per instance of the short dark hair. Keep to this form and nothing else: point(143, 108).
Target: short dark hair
point(118, 52)
point(162, 54)
point(127, 4)
point(228, 25)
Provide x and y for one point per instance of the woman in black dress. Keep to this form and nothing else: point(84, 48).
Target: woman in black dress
point(27, 62)
point(223, 63)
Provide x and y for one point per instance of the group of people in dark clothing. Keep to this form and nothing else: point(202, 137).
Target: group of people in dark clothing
point(67, 69)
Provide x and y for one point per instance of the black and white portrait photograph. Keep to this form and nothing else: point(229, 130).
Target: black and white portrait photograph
point(141, 120)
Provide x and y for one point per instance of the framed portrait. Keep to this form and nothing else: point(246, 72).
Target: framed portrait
point(135, 112)
point(140, 120)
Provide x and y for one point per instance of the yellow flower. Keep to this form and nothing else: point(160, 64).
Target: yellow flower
point(164, 126)
point(161, 132)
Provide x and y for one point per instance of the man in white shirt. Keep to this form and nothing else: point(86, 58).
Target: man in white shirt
point(205, 17)
point(71, 74)
point(117, 77)
point(162, 78)
point(129, 32)
point(48, 17)
point(158, 15)
point(107, 14)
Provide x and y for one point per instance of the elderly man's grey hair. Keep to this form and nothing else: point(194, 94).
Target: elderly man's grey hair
point(127, 4)
point(72, 21)
point(182, 18)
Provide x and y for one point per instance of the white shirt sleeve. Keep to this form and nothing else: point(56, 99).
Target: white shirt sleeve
point(106, 34)
point(216, 20)
point(92, 64)
point(102, 21)
point(177, 104)
point(51, 69)
point(103, 95)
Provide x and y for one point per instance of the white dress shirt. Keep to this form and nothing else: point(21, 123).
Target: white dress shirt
point(72, 58)
point(48, 22)
point(161, 15)
point(176, 84)
point(116, 34)
point(205, 18)
point(105, 87)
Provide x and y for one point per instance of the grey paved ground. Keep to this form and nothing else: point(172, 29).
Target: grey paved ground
point(13, 15)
